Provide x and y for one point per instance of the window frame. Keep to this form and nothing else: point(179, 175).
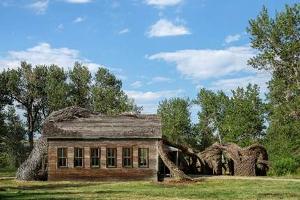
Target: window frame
point(127, 157)
point(139, 157)
point(92, 157)
point(111, 157)
point(82, 158)
point(65, 150)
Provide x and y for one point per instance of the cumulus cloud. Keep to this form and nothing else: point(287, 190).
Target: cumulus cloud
point(203, 64)
point(78, 20)
point(43, 53)
point(163, 28)
point(39, 6)
point(259, 78)
point(159, 79)
point(123, 31)
point(232, 38)
point(217, 67)
point(149, 100)
point(163, 3)
point(136, 84)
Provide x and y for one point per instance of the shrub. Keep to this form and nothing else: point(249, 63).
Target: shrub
point(285, 165)
point(4, 160)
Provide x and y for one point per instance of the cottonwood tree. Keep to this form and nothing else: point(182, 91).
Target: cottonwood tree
point(107, 94)
point(244, 117)
point(57, 90)
point(40, 90)
point(13, 137)
point(211, 116)
point(175, 119)
point(25, 86)
point(237, 118)
point(80, 83)
point(277, 40)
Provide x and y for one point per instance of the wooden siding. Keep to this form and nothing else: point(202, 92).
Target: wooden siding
point(102, 173)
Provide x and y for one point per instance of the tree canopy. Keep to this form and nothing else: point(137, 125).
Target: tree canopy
point(40, 90)
point(175, 116)
point(278, 43)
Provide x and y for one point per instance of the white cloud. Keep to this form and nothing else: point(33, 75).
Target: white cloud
point(159, 79)
point(136, 84)
point(124, 31)
point(208, 63)
point(78, 19)
point(163, 3)
point(163, 28)
point(260, 78)
point(149, 100)
point(78, 1)
point(60, 27)
point(39, 6)
point(43, 53)
point(232, 38)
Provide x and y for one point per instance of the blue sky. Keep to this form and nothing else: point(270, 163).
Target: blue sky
point(159, 48)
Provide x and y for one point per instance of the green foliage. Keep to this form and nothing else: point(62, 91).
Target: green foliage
point(244, 117)
point(278, 45)
point(25, 86)
point(284, 165)
point(80, 78)
point(175, 119)
point(238, 119)
point(40, 90)
point(107, 94)
point(211, 117)
point(12, 137)
point(5, 160)
point(57, 89)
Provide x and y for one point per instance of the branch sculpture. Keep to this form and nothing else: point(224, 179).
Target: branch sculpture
point(249, 161)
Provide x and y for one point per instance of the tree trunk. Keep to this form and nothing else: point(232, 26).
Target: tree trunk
point(30, 122)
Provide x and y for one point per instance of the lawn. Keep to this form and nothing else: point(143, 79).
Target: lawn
point(141, 190)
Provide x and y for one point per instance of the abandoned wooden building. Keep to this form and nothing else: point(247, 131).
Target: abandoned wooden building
point(101, 147)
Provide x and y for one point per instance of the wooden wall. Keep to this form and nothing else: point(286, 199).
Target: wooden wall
point(103, 173)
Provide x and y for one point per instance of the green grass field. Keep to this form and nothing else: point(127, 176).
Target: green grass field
point(207, 189)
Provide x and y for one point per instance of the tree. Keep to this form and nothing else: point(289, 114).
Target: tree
point(40, 90)
point(14, 137)
point(278, 43)
point(25, 86)
point(175, 119)
point(107, 94)
point(239, 118)
point(213, 107)
point(57, 89)
point(244, 117)
point(80, 83)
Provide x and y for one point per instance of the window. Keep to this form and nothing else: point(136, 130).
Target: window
point(95, 157)
point(111, 157)
point(127, 157)
point(78, 157)
point(62, 157)
point(143, 157)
